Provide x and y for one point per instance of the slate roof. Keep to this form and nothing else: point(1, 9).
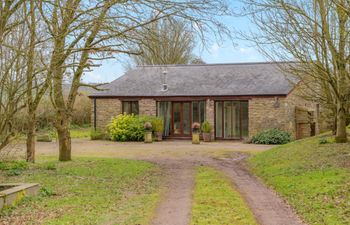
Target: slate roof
point(239, 79)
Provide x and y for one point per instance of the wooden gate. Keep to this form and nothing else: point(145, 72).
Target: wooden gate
point(305, 125)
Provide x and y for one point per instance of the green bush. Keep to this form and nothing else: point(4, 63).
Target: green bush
point(51, 166)
point(272, 137)
point(46, 192)
point(158, 124)
point(126, 127)
point(13, 168)
point(323, 141)
point(206, 127)
point(13, 165)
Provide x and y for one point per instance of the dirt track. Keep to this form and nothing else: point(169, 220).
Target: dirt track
point(175, 207)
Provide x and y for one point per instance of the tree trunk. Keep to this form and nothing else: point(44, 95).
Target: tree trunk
point(335, 122)
point(341, 136)
point(64, 142)
point(30, 157)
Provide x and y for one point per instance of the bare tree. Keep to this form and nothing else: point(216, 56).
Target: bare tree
point(8, 18)
point(316, 35)
point(37, 79)
point(85, 32)
point(12, 81)
point(167, 41)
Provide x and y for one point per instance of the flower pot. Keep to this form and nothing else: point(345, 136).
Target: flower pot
point(195, 138)
point(159, 136)
point(148, 137)
point(206, 137)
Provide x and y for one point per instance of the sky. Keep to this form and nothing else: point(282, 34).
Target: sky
point(225, 51)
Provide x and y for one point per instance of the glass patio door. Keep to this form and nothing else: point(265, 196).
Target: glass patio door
point(181, 119)
point(231, 119)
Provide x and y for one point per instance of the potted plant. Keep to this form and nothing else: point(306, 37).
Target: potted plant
point(195, 133)
point(158, 126)
point(206, 131)
point(148, 132)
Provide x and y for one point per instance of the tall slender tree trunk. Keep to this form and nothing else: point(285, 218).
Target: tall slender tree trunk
point(30, 157)
point(64, 142)
point(31, 105)
point(341, 136)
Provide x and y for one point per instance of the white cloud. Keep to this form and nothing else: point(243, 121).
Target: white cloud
point(243, 50)
point(215, 51)
point(214, 48)
point(246, 50)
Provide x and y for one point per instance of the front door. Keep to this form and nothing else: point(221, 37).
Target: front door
point(181, 119)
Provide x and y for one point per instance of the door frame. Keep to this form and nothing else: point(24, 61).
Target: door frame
point(181, 118)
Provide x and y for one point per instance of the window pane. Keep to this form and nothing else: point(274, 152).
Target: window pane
point(201, 111)
point(245, 120)
point(186, 118)
point(195, 112)
point(198, 111)
point(228, 119)
point(126, 107)
point(177, 118)
point(236, 120)
point(218, 120)
point(135, 107)
point(164, 111)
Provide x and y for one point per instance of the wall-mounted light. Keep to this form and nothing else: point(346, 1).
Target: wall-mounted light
point(276, 104)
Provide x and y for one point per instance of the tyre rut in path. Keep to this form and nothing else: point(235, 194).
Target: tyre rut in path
point(176, 202)
point(267, 207)
point(175, 206)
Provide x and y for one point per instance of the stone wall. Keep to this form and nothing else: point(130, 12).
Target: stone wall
point(210, 115)
point(148, 107)
point(266, 113)
point(277, 112)
point(105, 109)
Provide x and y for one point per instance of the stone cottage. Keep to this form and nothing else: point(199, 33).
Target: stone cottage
point(239, 100)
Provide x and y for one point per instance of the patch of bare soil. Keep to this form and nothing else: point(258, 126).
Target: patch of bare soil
point(176, 203)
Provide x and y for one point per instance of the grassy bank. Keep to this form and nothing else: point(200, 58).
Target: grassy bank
point(85, 191)
point(217, 202)
point(313, 177)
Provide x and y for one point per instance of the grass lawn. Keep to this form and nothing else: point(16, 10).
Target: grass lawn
point(80, 132)
point(85, 191)
point(313, 177)
point(217, 202)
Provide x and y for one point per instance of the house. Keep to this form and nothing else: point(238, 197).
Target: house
point(239, 99)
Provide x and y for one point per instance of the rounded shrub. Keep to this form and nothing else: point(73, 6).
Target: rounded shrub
point(206, 127)
point(128, 127)
point(158, 124)
point(272, 137)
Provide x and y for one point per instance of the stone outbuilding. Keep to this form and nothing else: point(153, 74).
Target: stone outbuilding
point(239, 100)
